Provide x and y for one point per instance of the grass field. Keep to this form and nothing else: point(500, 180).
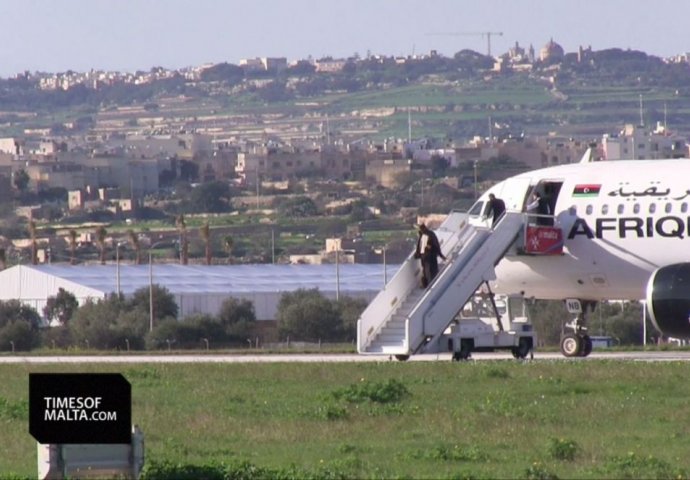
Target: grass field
point(502, 419)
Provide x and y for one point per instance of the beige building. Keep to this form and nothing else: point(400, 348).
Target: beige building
point(636, 143)
point(277, 166)
point(385, 172)
point(181, 145)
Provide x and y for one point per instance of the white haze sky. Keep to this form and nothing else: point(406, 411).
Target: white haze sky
point(129, 35)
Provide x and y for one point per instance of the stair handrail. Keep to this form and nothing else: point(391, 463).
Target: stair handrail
point(445, 280)
point(367, 330)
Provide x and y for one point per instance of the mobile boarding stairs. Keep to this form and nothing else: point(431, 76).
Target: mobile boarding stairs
point(405, 319)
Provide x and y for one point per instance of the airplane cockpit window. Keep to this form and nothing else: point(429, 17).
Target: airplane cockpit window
point(621, 209)
point(652, 207)
point(604, 209)
point(476, 209)
point(668, 207)
point(636, 208)
point(589, 210)
point(683, 207)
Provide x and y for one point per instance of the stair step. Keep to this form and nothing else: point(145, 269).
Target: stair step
point(389, 338)
point(393, 328)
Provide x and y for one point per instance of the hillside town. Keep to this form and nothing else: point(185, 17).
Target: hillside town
point(124, 163)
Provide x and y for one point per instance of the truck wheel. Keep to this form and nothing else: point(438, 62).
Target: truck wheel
point(523, 348)
point(402, 358)
point(464, 352)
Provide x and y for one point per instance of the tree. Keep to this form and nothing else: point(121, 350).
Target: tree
point(18, 326)
point(548, 316)
point(184, 246)
point(189, 171)
point(302, 67)
point(190, 333)
point(298, 207)
point(622, 321)
point(21, 180)
point(163, 302)
point(72, 246)
point(17, 336)
point(237, 317)
point(228, 244)
point(205, 232)
point(34, 246)
point(134, 240)
point(225, 72)
point(359, 211)
point(212, 197)
point(101, 234)
point(308, 315)
point(350, 309)
point(95, 323)
point(439, 165)
point(60, 307)
point(16, 311)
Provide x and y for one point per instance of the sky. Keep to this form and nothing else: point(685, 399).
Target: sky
point(129, 35)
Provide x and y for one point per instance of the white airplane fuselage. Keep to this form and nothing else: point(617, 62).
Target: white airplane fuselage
point(621, 220)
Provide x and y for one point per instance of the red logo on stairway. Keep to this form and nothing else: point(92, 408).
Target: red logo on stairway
point(544, 240)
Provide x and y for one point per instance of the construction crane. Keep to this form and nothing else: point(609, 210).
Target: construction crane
point(481, 34)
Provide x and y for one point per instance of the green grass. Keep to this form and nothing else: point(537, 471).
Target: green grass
point(502, 419)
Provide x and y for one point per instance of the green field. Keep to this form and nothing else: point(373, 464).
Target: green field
point(501, 419)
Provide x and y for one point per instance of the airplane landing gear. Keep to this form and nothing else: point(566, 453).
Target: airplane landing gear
point(574, 345)
point(577, 343)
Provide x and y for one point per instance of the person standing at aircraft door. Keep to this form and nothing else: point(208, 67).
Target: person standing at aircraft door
point(533, 207)
point(543, 210)
point(428, 250)
point(497, 207)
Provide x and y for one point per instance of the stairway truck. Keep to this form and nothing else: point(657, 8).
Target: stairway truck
point(481, 328)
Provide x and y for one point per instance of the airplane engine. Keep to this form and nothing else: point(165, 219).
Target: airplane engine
point(668, 299)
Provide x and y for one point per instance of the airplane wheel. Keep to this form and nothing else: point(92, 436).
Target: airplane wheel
point(586, 345)
point(571, 345)
point(402, 358)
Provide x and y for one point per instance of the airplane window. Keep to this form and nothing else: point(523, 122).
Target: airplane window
point(476, 209)
point(652, 207)
point(604, 209)
point(636, 208)
point(621, 209)
point(589, 209)
point(668, 208)
point(683, 207)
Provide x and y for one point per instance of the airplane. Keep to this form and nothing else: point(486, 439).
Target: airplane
point(626, 235)
point(618, 230)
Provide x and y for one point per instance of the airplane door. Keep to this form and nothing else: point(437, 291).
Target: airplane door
point(514, 192)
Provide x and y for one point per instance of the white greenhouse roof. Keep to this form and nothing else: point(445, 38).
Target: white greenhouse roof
point(221, 279)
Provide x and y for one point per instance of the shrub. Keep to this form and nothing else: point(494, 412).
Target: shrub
point(563, 449)
point(536, 471)
point(20, 334)
point(390, 391)
point(308, 315)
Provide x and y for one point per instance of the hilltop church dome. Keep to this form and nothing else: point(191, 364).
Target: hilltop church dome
point(551, 51)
